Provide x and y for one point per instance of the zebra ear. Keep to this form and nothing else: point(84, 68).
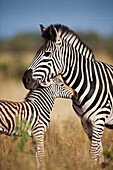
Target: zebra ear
point(53, 32)
point(42, 29)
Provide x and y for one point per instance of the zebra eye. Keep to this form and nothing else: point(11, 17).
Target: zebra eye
point(62, 85)
point(47, 53)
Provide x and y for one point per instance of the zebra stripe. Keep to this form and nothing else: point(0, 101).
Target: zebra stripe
point(91, 79)
point(36, 111)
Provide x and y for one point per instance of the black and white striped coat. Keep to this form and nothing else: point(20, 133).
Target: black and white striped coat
point(64, 53)
point(36, 111)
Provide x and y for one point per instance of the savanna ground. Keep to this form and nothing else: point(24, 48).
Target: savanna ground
point(66, 144)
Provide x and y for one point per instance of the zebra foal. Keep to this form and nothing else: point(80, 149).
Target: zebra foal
point(36, 111)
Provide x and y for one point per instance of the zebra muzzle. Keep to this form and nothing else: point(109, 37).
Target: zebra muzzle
point(28, 81)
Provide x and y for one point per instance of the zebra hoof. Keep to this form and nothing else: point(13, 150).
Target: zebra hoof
point(103, 165)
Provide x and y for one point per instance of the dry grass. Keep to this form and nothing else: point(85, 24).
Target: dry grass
point(66, 144)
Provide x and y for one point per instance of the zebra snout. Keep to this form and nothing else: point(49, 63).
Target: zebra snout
point(28, 81)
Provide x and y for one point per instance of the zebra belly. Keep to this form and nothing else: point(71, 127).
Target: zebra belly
point(2, 131)
point(109, 126)
point(109, 120)
point(78, 110)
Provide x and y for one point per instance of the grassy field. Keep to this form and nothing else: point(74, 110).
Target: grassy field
point(66, 144)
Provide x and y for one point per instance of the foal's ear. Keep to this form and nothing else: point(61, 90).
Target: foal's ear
point(53, 32)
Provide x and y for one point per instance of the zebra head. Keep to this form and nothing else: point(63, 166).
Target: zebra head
point(57, 89)
point(61, 90)
point(48, 61)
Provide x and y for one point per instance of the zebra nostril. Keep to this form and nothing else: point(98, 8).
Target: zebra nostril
point(28, 80)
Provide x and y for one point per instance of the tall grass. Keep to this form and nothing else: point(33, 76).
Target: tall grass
point(66, 147)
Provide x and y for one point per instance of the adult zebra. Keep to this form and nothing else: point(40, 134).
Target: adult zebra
point(34, 111)
point(64, 53)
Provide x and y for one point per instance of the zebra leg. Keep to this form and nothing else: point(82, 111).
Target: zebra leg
point(96, 149)
point(101, 156)
point(38, 138)
point(87, 128)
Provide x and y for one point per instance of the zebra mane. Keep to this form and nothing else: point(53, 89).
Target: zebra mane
point(64, 33)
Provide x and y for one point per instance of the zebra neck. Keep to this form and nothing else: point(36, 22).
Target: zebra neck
point(78, 58)
point(41, 98)
point(78, 69)
point(73, 40)
point(83, 49)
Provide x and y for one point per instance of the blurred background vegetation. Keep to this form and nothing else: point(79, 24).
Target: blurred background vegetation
point(18, 52)
point(32, 41)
